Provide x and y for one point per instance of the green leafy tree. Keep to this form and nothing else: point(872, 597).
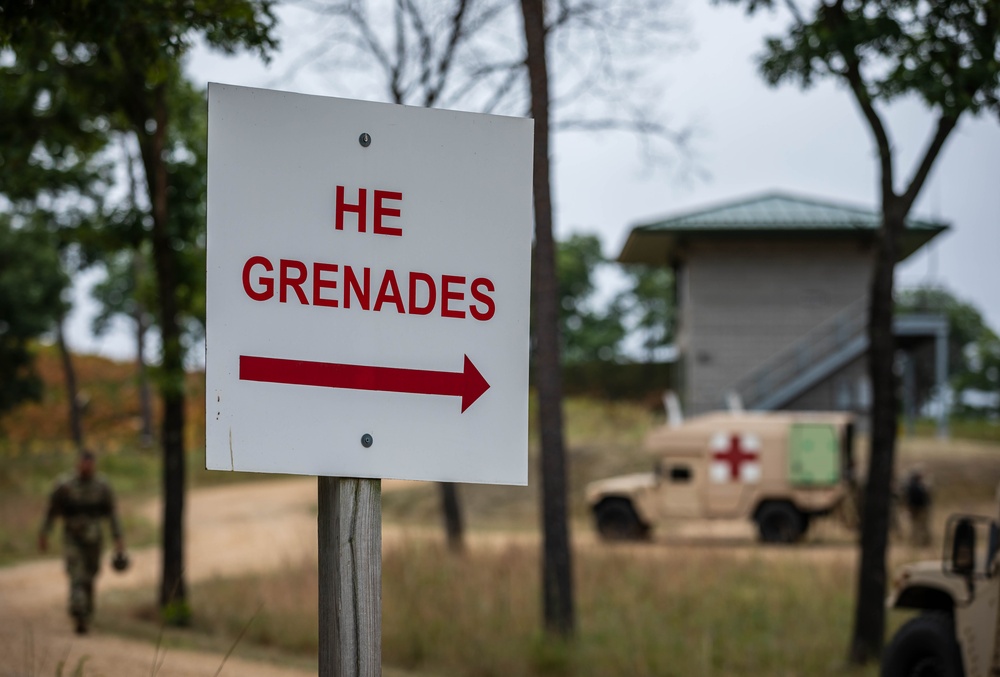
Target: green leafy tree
point(121, 246)
point(127, 291)
point(31, 285)
point(117, 65)
point(973, 348)
point(52, 171)
point(649, 306)
point(983, 376)
point(947, 54)
point(589, 332)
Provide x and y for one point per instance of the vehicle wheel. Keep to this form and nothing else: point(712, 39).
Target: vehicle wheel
point(924, 647)
point(617, 521)
point(780, 523)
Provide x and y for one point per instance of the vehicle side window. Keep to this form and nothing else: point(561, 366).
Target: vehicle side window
point(679, 474)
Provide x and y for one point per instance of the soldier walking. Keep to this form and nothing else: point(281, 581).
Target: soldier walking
point(82, 500)
point(917, 499)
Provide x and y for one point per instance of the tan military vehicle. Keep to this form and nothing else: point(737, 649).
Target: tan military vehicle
point(956, 635)
point(780, 469)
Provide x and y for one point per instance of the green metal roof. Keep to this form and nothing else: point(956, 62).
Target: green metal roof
point(771, 215)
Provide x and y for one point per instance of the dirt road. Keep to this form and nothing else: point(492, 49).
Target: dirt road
point(231, 529)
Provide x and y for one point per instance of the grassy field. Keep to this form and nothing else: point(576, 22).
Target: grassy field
point(642, 610)
point(677, 606)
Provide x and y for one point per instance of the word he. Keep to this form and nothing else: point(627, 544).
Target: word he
point(360, 210)
point(334, 286)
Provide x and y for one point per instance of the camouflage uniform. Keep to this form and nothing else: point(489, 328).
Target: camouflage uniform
point(917, 498)
point(82, 504)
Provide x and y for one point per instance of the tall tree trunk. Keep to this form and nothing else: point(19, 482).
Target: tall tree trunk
point(173, 592)
point(557, 574)
point(450, 506)
point(142, 374)
point(869, 615)
point(869, 619)
point(72, 398)
point(139, 316)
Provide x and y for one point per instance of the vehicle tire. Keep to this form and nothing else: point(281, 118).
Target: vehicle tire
point(617, 520)
point(780, 522)
point(924, 647)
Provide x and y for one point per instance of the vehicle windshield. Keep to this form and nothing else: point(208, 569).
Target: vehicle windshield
point(984, 539)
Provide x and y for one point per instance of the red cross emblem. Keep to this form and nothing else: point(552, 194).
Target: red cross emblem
point(735, 456)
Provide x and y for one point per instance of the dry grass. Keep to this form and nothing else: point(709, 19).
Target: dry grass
point(643, 610)
point(982, 429)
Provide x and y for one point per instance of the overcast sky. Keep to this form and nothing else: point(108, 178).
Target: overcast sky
point(750, 138)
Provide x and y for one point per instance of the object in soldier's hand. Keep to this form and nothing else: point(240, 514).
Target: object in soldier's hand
point(120, 562)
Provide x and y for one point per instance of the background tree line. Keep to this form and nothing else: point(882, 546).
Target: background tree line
point(82, 85)
point(973, 354)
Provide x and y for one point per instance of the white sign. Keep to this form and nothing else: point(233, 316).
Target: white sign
point(368, 289)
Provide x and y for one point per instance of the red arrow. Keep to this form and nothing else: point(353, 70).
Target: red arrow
point(468, 384)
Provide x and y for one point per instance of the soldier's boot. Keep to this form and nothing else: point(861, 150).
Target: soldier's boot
point(81, 604)
point(924, 532)
point(90, 602)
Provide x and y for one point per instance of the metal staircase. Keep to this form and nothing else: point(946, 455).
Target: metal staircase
point(827, 348)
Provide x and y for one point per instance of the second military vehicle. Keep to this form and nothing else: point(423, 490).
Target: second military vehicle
point(956, 633)
point(780, 469)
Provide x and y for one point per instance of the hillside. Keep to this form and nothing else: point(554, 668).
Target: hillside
point(111, 413)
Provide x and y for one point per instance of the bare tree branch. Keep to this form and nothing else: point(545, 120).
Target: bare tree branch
point(864, 99)
point(459, 54)
point(946, 123)
point(630, 125)
point(396, 75)
point(511, 73)
point(796, 13)
point(444, 63)
point(425, 48)
point(501, 91)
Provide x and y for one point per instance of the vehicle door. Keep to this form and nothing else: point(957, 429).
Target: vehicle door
point(679, 491)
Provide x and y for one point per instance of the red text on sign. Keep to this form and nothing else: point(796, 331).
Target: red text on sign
point(333, 285)
point(359, 208)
